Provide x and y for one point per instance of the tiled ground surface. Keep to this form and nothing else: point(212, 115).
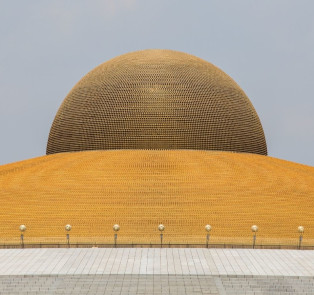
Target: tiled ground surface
point(155, 284)
point(156, 271)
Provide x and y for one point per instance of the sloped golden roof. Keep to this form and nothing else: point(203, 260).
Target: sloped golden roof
point(156, 99)
point(139, 189)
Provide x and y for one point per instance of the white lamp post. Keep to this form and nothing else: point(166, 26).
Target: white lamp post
point(161, 228)
point(254, 229)
point(68, 227)
point(116, 228)
point(208, 229)
point(22, 229)
point(301, 232)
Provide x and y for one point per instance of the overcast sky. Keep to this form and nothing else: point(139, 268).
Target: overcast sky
point(266, 46)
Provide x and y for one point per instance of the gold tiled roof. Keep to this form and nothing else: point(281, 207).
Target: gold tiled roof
point(157, 99)
point(139, 189)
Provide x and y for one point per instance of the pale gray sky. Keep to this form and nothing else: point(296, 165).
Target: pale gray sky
point(266, 46)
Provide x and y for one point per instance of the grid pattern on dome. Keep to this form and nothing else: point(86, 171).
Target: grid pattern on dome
point(139, 189)
point(157, 99)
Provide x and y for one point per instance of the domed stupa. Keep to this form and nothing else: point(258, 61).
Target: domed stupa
point(157, 137)
point(157, 99)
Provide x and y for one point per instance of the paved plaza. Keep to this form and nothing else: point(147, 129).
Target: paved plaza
point(156, 271)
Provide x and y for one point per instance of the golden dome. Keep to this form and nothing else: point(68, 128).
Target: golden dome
point(140, 189)
point(156, 99)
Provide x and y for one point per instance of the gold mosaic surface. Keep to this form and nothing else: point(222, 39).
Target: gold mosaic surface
point(139, 189)
point(157, 99)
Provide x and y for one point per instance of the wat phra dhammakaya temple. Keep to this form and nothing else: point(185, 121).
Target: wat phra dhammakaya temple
point(157, 137)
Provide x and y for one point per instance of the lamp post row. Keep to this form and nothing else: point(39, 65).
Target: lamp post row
point(161, 228)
